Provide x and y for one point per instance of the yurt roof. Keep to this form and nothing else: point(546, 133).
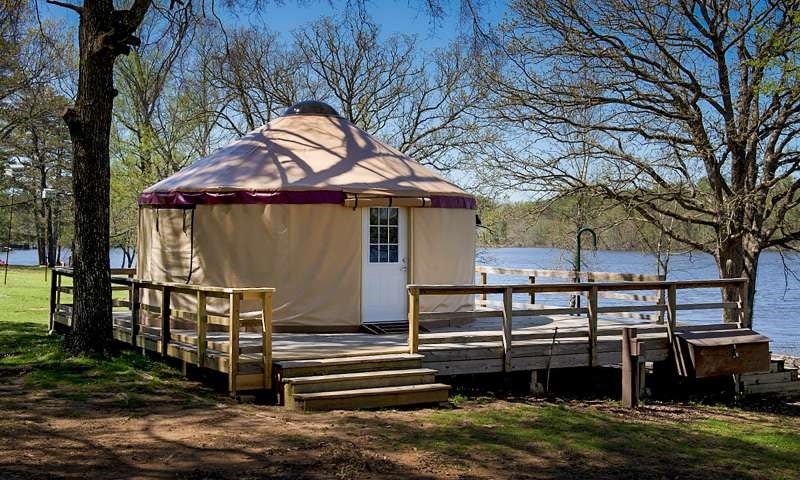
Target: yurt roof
point(309, 155)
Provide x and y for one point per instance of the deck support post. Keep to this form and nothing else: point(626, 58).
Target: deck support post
point(135, 308)
point(53, 286)
point(413, 320)
point(202, 329)
point(233, 341)
point(632, 374)
point(484, 281)
point(266, 339)
point(166, 293)
point(592, 306)
point(508, 312)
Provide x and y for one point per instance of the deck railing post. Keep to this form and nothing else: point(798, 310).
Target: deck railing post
point(413, 320)
point(532, 294)
point(135, 308)
point(508, 312)
point(745, 320)
point(672, 309)
point(202, 328)
point(166, 293)
point(266, 338)
point(233, 341)
point(53, 287)
point(484, 281)
point(660, 304)
point(592, 315)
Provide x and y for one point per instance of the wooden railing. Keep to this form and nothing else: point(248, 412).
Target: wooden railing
point(122, 280)
point(570, 276)
point(592, 290)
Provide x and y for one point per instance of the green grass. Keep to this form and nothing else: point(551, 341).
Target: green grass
point(26, 348)
point(713, 442)
point(26, 295)
point(575, 440)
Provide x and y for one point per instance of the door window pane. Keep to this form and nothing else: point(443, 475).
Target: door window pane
point(384, 235)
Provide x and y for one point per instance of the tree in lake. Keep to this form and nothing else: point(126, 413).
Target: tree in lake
point(695, 114)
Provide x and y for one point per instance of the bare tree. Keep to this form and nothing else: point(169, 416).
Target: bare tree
point(422, 104)
point(258, 76)
point(696, 112)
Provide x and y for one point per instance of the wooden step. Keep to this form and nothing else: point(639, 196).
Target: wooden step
point(373, 397)
point(367, 363)
point(788, 389)
point(764, 378)
point(350, 381)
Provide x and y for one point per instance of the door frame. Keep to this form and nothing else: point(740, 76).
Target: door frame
point(364, 241)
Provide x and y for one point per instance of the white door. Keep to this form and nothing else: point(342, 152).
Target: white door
point(384, 264)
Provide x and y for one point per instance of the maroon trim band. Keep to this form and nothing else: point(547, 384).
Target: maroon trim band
point(186, 199)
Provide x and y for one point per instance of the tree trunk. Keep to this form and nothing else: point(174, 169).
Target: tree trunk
point(738, 258)
point(89, 123)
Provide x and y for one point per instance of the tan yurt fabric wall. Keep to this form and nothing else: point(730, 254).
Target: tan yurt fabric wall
point(310, 253)
point(443, 252)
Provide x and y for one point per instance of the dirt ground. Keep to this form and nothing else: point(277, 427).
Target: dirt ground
point(43, 435)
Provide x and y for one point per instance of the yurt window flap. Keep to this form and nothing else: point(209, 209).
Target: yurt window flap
point(172, 246)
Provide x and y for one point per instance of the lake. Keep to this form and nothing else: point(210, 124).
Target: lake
point(777, 292)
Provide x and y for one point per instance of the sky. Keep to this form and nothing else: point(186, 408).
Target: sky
point(392, 16)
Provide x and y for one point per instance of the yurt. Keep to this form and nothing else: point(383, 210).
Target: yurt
point(334, 219)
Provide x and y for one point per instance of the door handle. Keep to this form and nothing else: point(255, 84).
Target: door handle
point(405, 264)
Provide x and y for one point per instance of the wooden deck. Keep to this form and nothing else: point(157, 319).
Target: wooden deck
point(474, 348)
point(515, 337)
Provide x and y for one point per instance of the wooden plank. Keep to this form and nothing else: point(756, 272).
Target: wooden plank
point(508, 316)
point(466, 367)
point(744, 306)
point(765, 378)
point(202, 328)
point(466, 289)
point(672, 302)
point(532, 294)
point(630, 368)
point(266, 338)
point(593, 310)
point(233, 342)
point(135, 312)
point(413, 321)
point(165, 319)
point(53, 286)
point(527, 272)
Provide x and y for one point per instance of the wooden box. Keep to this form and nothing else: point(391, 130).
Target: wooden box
point(724, 352)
